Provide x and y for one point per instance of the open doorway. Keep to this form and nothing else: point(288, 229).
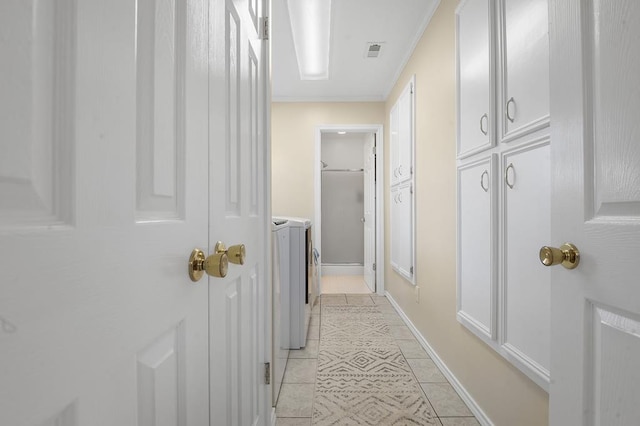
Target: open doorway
point(348, 211)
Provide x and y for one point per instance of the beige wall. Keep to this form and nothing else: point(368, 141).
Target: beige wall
point(293, 133)
point(505, 394)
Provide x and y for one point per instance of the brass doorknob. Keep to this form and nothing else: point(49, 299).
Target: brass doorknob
point(567, 255)
point(235, 253)
point(215, 265)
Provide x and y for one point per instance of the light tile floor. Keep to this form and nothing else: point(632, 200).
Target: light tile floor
point(295, 404)
point(344, 284)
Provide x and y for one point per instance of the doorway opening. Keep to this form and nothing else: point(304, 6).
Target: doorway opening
point(348, 208)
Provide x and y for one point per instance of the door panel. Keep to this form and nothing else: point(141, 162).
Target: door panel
point(476, 247)
point(525, 64)
point(526, 281)
point(475, 112)
point(596, 307)
point(104, 321)
point(238, 302)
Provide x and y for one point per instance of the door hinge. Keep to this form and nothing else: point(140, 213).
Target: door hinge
point(265, 28)
point(411, 189)
point(374, 266)
point(373, 150)
point(411, 270)
point(267, 373)
point(412, 88)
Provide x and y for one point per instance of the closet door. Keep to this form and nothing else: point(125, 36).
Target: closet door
point(476, 247)
point(402, 244)
point(525, 67)
point(526, 283)
point(474, 70)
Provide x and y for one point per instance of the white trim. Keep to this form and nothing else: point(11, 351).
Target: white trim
point(274, 419)
point(481, 416)
point(345, 269)
point(378, 129)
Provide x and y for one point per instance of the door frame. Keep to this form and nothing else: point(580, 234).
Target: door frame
point(379, 209)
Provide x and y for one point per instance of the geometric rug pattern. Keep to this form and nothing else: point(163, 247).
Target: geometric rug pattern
point(362, 376)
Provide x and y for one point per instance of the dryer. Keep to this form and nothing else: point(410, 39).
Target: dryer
point(280, 303)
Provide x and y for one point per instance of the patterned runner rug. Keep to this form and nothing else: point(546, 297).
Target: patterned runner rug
point(362, 377)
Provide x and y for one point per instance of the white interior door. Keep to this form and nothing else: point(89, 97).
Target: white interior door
point(103, 195)
point(369, 211)
point(595, 321)
point(238, 303)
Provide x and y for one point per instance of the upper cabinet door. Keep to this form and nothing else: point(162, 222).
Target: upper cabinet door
point(402, 135)
point(524, 100)
point(475, 112)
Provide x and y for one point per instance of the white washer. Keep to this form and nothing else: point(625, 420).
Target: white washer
point(280, 303)
point(302, 279)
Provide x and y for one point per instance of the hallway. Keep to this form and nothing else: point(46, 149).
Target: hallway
point(363, 366)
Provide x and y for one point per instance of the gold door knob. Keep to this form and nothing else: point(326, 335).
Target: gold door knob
point(215, 265)
point(235, 253)
point(567, 255)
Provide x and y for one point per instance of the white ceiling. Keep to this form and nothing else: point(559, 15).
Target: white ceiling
point(396, 24)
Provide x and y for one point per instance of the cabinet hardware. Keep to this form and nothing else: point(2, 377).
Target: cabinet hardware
point(506, 176)
point(484, 118)
point(486, 189)
point(509, 102)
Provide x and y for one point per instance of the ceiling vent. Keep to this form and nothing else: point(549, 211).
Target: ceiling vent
point(373, 50)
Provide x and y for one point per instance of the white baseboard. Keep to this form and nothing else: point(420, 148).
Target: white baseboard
point(333, 269)
point(466, 397)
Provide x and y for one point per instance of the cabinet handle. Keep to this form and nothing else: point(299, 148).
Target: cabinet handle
point(506, 176)
point(509, 102)
point(482, 119)
point(400, 172)
point(486, 189)
point(400, 197)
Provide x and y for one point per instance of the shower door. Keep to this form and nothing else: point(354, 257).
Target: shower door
point(342, 216)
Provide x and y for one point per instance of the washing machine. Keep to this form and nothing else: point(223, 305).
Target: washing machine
point(280, 303)
point(303, 281)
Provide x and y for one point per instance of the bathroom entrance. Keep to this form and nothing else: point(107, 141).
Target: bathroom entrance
point(346, 210)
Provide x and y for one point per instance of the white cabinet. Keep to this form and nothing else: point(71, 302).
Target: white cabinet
point(402, 183)
point(402, 249)
point(503, 188)
point(476, 242)
point(402, 136)
point(526, 283)
point(475, 82)
point(524, 98)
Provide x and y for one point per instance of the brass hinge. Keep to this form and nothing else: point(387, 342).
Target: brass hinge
point(267, 373)
point(265, 28)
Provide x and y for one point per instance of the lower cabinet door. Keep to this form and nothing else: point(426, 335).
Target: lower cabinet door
point(402, 241)
point(525, 333)
point(476, 263)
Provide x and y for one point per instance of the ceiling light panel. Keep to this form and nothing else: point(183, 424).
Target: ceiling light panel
point(311, 30)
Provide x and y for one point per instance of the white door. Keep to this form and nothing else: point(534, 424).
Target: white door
point(595, 308)
point(369, 211)
point(238, 303)
point(103, 195)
